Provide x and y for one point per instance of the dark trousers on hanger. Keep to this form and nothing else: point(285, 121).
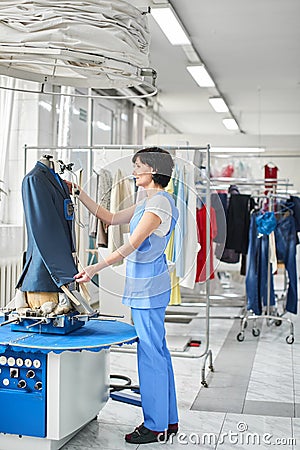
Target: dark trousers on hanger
point(257, 271)
point(285, 237)
point(257, 265)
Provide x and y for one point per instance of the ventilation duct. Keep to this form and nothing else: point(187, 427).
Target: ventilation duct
point(91, 44)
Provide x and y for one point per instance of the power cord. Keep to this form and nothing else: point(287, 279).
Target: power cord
point(114, 387)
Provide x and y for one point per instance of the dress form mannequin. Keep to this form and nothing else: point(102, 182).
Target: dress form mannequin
point(47, 161)
point(49, 257)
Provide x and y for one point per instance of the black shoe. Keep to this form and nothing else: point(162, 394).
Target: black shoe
point(142, 435)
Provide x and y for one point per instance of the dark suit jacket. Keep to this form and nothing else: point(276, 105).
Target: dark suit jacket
point(49, 261)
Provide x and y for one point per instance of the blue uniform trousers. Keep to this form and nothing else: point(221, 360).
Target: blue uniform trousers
point(156, 377)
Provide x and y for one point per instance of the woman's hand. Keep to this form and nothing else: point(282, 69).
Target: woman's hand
point(86, 274)
point(72, 187)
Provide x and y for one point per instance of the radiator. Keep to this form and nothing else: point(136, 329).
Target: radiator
point(10, 271)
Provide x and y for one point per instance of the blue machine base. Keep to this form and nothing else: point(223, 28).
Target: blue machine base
point(127, 397)
point(23, 407)
point(63, 324)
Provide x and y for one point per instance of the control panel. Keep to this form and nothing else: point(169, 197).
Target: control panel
point(23, 393)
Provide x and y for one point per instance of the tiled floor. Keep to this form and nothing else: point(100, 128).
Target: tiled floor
point(271, 393)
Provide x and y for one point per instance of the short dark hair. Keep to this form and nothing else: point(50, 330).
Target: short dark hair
point(160, 161)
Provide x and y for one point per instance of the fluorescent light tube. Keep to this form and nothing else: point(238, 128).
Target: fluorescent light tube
point(218, 104)
point(237, 149)
point(170, 24)
point(201, 76)
point(230, 124)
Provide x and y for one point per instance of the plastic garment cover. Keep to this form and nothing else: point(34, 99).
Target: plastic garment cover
point(95, 43)
point(113, 28)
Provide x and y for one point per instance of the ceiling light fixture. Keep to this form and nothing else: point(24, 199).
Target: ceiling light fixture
point(167, 19)
point(218, 104)
point(201, 76)
point(237, 149)
point(230, 124)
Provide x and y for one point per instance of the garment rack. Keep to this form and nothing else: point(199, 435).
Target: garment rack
point(270, 318)
point(278, 319)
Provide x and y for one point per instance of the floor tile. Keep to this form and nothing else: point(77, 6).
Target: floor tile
point(245, 431)
point(103, 435)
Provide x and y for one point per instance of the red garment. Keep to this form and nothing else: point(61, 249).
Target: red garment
point(201, 257)
point(271, 173)
point(227, 171)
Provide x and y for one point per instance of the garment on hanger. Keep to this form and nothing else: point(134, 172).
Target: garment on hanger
point(191, 246)
point(296, 209)
point(180, 229)
point(219, 203)
point(202, 256)
point(258, 260)
point(49, 219)
point(237, 214)
point(285, 239)
point(175, 297)
point(99, 229)
point(94, 181)
point(257, 271)
point(266, 223)
point(121, 197)
point(238, 221)
point(271, 172)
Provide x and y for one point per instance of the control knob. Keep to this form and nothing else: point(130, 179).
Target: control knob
point(38, 386)
point(30, 374)
point(22, 384)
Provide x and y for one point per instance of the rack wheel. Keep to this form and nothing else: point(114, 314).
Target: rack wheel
point(255, 332)
point(211, 368)
point(290, 339)
point(204, 384)
point(240, 337)
point(278, 323)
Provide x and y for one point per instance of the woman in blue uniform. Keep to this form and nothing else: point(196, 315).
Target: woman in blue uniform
point(147, 288)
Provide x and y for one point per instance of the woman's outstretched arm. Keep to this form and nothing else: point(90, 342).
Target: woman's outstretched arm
point(147, 225)
point(118, 218)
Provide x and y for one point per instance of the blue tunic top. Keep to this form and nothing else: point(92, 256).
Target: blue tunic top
point(148, 282)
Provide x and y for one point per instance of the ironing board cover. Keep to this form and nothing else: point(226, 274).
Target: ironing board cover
point(93, 336)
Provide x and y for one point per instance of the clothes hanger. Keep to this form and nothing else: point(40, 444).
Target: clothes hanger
point(271, 165)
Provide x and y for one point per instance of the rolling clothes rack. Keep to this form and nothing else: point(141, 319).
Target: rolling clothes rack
point(277, 320)
point(270, 318)
point(207, 353)
point(224, 184)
